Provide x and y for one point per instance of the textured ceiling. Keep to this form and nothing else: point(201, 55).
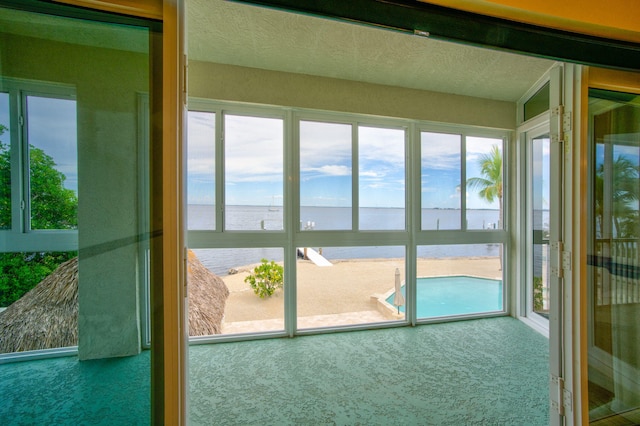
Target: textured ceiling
point(238, 34)
point(74, 31)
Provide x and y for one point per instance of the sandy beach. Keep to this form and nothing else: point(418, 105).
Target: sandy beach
point(345, 290)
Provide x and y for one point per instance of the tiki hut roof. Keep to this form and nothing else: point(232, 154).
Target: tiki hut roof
point(47, 316)
point(207, 298)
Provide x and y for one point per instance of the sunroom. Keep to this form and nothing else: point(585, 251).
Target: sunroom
point(336, 177)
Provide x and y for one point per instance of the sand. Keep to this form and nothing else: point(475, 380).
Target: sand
point(346, 287)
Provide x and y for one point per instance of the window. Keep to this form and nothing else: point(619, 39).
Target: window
point(441, 181)
point(540, 189)
point(39, 183)
point(51, 137)
point(325, 175)
point(253, 168)
point(201, 167)
point(42, 173)
point(538, 103)
point(381, 178)
point(342, 211)
point(484, 198)
point(5, 163)
point(446, 203)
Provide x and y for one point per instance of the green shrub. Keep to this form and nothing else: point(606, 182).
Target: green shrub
point(266, 278)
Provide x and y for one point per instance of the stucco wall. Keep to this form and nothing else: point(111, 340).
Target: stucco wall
point(241, 84)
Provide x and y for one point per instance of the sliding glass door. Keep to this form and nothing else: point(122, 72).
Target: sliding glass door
point(76, 200)
point(613, 266)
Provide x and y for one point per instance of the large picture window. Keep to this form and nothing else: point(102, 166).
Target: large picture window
point(40, 160)
point(317, 217)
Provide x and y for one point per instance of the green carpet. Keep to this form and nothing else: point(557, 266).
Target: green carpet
point(63, 391)
point(482, 372)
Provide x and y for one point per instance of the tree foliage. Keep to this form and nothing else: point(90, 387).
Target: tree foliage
point(53, 207)
point(489, 186)
point(623, 196)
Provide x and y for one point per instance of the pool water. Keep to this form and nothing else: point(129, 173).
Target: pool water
point(455, 295)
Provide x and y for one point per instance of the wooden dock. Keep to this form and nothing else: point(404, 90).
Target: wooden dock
point(314, 256)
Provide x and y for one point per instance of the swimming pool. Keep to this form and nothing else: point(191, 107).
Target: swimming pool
point(455, 295)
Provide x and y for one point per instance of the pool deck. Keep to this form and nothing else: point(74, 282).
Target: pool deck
point(346, 293)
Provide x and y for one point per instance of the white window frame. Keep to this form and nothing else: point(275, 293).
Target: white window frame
point(292, 236)
point(20, 238)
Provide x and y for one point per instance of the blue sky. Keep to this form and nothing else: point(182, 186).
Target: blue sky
point(441, 169)
point(254, 165)
point(254, 159)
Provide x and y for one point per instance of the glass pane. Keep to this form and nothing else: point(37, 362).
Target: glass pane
point(381, 178)
point(459, 280)
point(253, 168)
point(613, 266)
point(441, 171)
point(78, 86)
point(53, 162)
point(201, 170)
point(484, 183)
point(325, 176)
point(537, 104)
point(340, 286)
point(5, 163)
point(241, 288)
point(540, 214)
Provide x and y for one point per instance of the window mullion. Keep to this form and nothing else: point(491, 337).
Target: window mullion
point(23, 166)
point(291, 218)
point(15, 138)
point(355, 179)
point(413, 190)
point(219, 170)
point(463, 183)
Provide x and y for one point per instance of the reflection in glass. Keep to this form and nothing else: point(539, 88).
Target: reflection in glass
point(53, 162)
point(201, 155)
point(613, 253)
point(77, 87)
point(381, 178)
point(459, 280)
point(441, 173)
point(5, 162)
point(234, 296)
point(339, 286)
point(254, 165)
point(540, 215)
point(484, 181)
point(538, 103)
point(325, 176)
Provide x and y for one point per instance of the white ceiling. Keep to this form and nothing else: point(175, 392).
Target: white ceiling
point(250, 36)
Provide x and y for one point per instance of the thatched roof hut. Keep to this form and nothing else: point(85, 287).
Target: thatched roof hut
point(207, 298)
point(47, 316)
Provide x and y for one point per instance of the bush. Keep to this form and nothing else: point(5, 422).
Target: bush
point(266, 278)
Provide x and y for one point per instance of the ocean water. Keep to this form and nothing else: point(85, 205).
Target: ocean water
point(220, 261)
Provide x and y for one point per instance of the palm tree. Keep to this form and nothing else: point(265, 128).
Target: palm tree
point(489, 185)
point(625, 192)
